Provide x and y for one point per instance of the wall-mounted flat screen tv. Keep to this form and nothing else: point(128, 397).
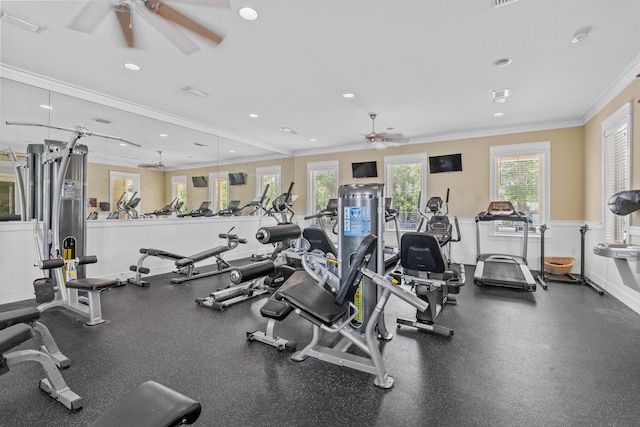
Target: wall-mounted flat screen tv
point(199, 181)
point(237, 178)
point(365, 169)
point(446, 163)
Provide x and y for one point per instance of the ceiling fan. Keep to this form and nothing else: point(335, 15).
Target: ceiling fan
point(381, 139)
point(157, 165)
point(165, 19)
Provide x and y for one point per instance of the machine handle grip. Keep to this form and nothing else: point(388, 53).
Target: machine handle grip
point(49, 264)
point(88, 259)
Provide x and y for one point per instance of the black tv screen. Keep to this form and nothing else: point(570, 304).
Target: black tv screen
point(447, 163)
point(237, 178)
point(365, 169)
point(199, 181)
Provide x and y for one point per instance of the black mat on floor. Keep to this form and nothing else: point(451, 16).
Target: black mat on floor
point(560, 357)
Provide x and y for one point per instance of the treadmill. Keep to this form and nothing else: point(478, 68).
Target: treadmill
point(498, 269)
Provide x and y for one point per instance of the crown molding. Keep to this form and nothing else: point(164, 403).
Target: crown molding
point(22, 76)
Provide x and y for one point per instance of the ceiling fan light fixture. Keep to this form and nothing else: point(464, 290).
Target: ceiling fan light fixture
point(248, 14)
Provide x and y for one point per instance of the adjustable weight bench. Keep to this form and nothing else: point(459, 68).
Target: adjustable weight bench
point(54, 385)
point(30, 316)
point(185, 264)
point(333, 313)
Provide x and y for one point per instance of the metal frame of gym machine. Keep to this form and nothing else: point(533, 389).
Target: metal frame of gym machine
point(55, 164)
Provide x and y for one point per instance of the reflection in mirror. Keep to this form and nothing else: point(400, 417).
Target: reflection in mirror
point(186, 151)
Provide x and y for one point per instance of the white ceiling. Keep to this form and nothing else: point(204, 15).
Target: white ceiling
point(424, 66)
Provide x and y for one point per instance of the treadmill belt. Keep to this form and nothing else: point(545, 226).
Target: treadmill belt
point(503, 272)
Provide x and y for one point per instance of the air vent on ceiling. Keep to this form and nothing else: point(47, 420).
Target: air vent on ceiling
point(498, 3)
point(199, 144)
point(99, 120)
point(500, 96)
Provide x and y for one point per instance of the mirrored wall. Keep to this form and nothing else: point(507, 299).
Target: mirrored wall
point(168, 150)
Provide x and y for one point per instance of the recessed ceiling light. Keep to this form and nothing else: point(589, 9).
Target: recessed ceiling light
point(131, 66)
point(46, 107)
point(248, 14)
point(313, 140)
point(499, 114)
point(164, 135)
point(502, 62)
point(232, 151)
point(123, 144)
point(253, 115)
point(348, 95)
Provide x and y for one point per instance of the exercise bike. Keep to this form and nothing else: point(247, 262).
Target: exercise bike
point(427, 270)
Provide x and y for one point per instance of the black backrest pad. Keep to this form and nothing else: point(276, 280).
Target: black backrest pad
point(319, 240)
point(349, 285)
point(420, 251)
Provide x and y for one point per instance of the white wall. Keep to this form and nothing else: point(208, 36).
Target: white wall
point(117, 242)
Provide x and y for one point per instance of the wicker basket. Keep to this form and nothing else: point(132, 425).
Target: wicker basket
point(558, 264)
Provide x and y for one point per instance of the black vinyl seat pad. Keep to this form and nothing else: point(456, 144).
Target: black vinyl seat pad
point(21, 315)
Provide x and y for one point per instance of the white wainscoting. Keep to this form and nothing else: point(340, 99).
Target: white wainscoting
point(116, 243)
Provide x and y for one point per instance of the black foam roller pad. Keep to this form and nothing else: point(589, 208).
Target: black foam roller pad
point(252, 271)
point(278, 233)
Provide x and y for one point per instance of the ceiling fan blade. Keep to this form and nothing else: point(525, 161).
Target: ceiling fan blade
point(123, 12)
point(213, 3)
point(172, 33)
point(90, 16)
point(173, 15)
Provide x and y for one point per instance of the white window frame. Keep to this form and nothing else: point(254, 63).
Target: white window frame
point(179, 179)
point(124, 175)
point(613, 225)
point(313, 167)
point(403, 159)
point(521, 149)
point(268, 170)
point(212, 188)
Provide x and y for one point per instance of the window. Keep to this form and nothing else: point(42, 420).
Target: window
point(404, 179)
point(219, 190)
point(124, 188)
point(616, 174)
point(520, 174)
point(322, 184)
point(270, 176)
point(179, 189)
